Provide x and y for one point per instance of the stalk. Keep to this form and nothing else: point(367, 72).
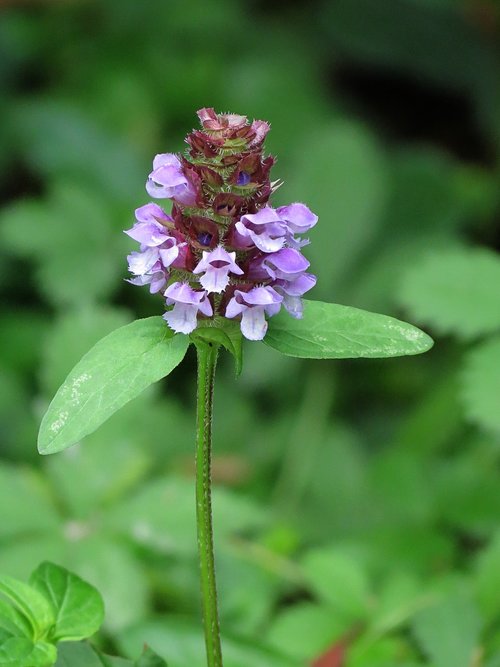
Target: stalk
point(207, 359)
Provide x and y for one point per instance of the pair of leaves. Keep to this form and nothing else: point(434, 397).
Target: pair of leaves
point(131, 358)
point(55, 606)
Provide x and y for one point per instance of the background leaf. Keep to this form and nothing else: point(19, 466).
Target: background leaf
point(78, 606)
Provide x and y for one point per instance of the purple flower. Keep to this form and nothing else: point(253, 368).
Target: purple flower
point(265, 229)
point(217, 265)
point(187, 303)
point(148, 230)
point(168, 181)
point(292, 290)
point(287, 269)
point(156, 281)
point(253, 306)
point(299, 219)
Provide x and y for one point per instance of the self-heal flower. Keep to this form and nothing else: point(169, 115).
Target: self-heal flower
point(253, 306)
point(264, 229)
point(150, 229)
point(187, 303)
point(225, 250)
point(216, 266)
point(299, 219)
point(168, 180)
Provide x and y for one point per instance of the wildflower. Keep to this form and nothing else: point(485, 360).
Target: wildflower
point(224, 250)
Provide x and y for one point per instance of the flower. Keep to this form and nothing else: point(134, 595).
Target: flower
point(168, 180)
point(224, 251)
point(187, 303)
point(252, 306)
point(216, 266)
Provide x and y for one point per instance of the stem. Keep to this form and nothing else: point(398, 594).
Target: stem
point(207, 359)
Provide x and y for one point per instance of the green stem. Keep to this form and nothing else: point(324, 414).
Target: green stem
point(207, 359)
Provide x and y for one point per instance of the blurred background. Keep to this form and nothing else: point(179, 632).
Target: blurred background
point(357, 503)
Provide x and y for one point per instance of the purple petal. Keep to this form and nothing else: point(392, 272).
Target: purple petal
point(183, 293)
point(215, 280)
point(253, 323)
point(169, 255)
point(151, 213)
point(298, 217)
point(297, 287)
point(294, 306)
point(140, 263)
point(166, 160)
point(265, 216)
point(286, 263)
point(148, 233)
point(182, 318)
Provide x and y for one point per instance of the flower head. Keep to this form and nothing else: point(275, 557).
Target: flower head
point(224, 251)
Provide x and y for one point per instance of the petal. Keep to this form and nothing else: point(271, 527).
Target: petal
point(169, 176)
point(183, 293)
point(234, 308)
point(166, 160)
point(168, 255)
point(151, 213)
point(205, 307)
point(267, 243)
point(140, 263)
point(294, 306)
point(253, 323)
point(148, 233)
point(299, 286)
point(215, 280)
point(182, 318)
point(298, 217)
point(158, 282)
point(287, 262)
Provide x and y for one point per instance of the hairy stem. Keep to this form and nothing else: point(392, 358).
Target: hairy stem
point(207, 359)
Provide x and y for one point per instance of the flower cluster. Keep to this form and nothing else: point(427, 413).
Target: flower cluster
point(223, 251)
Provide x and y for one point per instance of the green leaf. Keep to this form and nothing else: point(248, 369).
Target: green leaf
point(339, 581)
point(181, 641)
point(449, 632)
point(78, 606)
point(305, 630)
point(14, 651)
point(481, 384)
point(226, 333)
point(42, 655)
point(13, 621)
point(150, 659)
point(32, 604)
point(332, 331)
point(80, 654)
point(116, 370)
point(455, 290)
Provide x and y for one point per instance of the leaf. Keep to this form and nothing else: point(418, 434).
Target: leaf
point(42, 655)
point(226, 333)
point(338, 581)
point(150, 659)
point(19, 518)
point(13, 621)
point(78, 606)
point(455, 290)
point(448, 632)
point(181, 641)
point(80, 654)
point(14, 651)
point(332, 331)
point(30, 603)
point(481, 385)
point(305, 630)
point(341, 172)
point(62, 349)
point(116, 370)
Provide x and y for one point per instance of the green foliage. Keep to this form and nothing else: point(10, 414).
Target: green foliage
point(481, 384)
point(331, 331)
point(56, 605)
point(456, 291)
point(113, 372)
point(377, 478)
